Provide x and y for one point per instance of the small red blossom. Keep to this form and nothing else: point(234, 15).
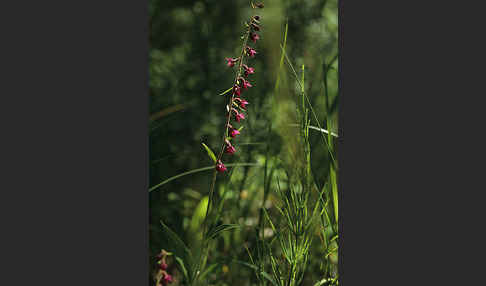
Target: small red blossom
point(167, 278)
point(248, 70)
point(239, 116)
point(230, 149)
point(236, 90)
point(220, 167)
point(251, 52)
point(234, 132)
point(254, 37)
point(243, 103)
point(163, 265)
point(230, 62)
point(246, 84)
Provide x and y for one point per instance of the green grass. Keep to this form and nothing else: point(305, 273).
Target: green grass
point(272, 219)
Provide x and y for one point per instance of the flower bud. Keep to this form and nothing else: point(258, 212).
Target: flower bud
point(251, 52)
point(245, 84)
point(248, 70)
point(254, 37)
point(230, 62)
point(234, 132)
point(230, 149)
point(167, 278)
point(243, 104)
point(220, 167)
point(239, 116)
point(236, 90)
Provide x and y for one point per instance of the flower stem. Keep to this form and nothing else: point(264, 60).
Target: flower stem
point(225, 135)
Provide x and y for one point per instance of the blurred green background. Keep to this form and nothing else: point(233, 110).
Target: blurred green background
point(188, 43)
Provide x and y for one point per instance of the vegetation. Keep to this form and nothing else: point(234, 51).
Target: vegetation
point(270, 215)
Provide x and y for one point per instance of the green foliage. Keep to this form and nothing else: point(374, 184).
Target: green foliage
point(273, 219)
point(210, 153)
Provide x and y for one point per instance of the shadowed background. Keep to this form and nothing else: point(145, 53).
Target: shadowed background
point(188, 43)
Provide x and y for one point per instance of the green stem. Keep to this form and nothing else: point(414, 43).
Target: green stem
point(225, 135)
point(196, 171)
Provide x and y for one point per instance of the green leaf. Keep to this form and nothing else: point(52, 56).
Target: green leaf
point(255, 268)
point(328, 144)
point(213, 233)
point(334, 190)
point(322, 282)
point(226, 91)
point(198, 170)
point(179, 248)
point(210, 152)
point(209, 269)
point(182, 267)
point(194, 231)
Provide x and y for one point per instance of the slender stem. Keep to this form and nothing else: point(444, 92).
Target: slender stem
point(225, 135)
point(196, 171)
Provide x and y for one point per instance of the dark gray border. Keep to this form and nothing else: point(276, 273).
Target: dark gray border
point(410, 205)
point(74, 90)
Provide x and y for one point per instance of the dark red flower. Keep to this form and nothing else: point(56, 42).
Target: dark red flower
point(220, 167)
point(230, 149)
point(239, 116)
point(251, 52)
point(248, 70)
point(234, 132)
point(245, 84)
point(167, 278)
point(163, 265)
point(243, 103)
point(236, 90)
point(254, 37)
point(231, 61)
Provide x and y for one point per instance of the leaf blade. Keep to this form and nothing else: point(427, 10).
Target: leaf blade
point(210, 152)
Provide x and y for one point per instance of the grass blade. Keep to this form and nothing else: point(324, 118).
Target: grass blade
point(214, 232)
point(198, 170)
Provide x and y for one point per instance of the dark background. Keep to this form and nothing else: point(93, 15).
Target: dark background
point(188, 43)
